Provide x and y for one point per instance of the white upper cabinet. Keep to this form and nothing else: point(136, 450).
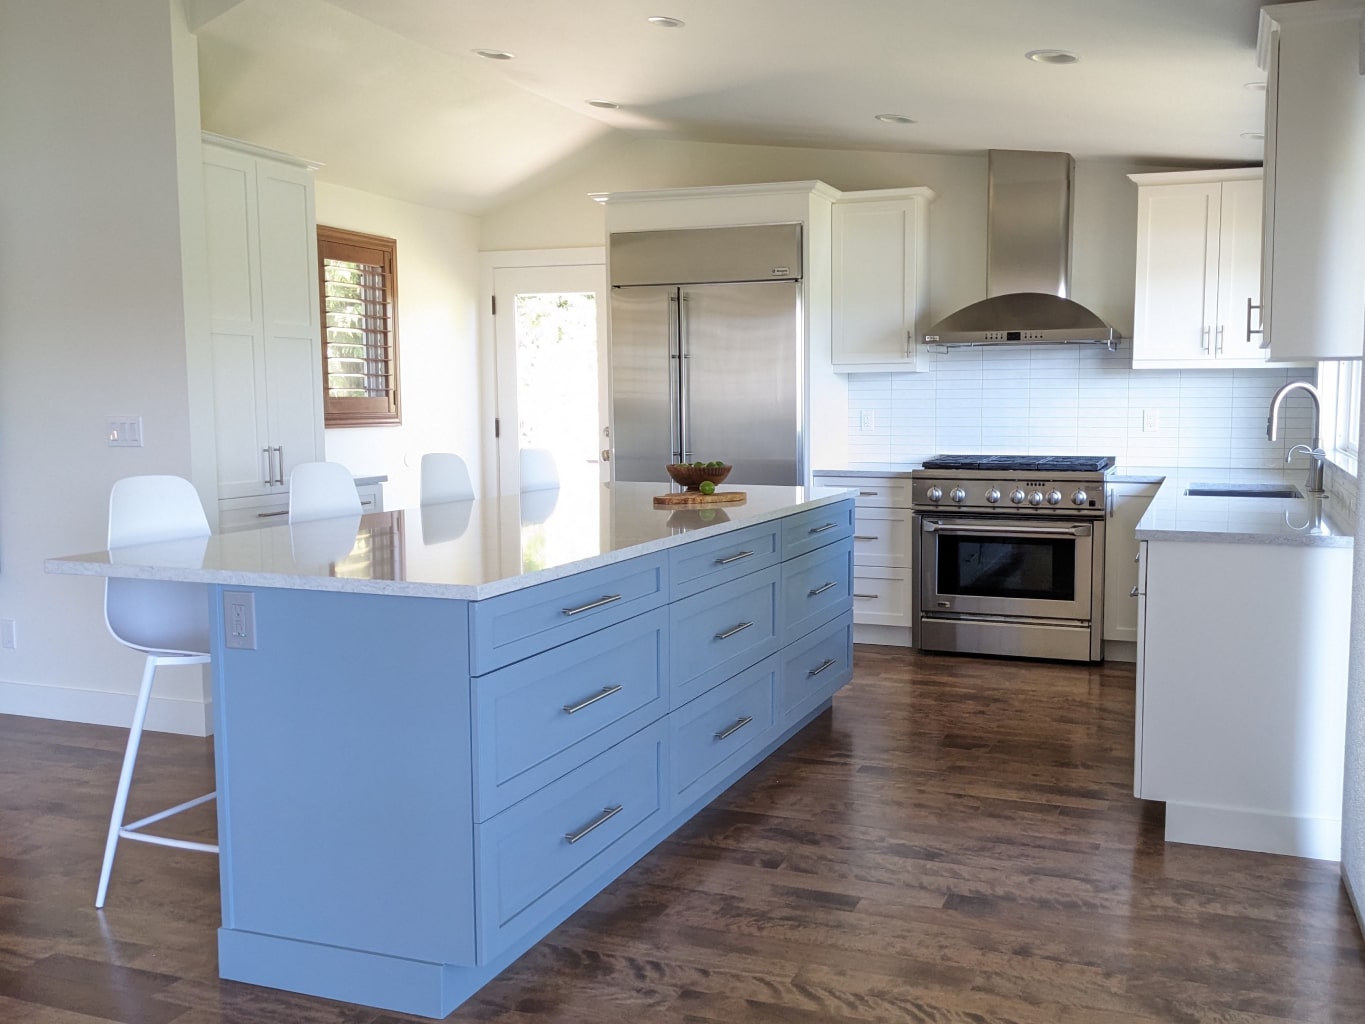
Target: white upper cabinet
point(1315, 166)
point(879, 280)
point(264, 322)
point(1198, 286)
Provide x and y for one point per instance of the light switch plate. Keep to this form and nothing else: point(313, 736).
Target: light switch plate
point(124, 431)
point(239, 619)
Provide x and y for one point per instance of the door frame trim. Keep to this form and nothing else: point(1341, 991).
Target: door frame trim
point(489, 262)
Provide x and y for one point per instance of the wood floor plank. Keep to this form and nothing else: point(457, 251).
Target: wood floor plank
point(955, 842)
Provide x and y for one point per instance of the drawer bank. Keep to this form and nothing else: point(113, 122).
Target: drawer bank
point(437, 744)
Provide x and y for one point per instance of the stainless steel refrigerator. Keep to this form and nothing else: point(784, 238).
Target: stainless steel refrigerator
point(707, 353)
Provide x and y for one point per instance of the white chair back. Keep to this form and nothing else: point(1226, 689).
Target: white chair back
point(538, 470)
point(445, 477)
point(321, 490)
point(156, 616)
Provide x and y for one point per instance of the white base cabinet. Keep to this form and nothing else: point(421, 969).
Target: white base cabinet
point(882, 570)
point(1127, 504)
point(1241, 710)
point(264, 323)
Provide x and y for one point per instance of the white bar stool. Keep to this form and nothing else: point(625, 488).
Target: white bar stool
point(321, 490)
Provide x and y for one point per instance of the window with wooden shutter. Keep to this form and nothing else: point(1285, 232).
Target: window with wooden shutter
point(358, 277)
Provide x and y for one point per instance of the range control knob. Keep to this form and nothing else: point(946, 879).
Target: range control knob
point(1054, 497)
point(993, 496)
point(1036, 498)
point(935, 494)
point(958, 495)
point(1079, 498)
point(1017, 497)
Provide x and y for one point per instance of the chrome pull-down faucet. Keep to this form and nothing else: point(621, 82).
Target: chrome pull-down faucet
point(1314, 451)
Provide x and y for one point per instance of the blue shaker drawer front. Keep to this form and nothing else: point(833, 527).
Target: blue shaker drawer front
point(817, 527)
point(533, 855)
point(703, 564)
point(542, 717)
point(513, 626)
point(715, 732)
point(815, 668)
point(816, 587)
point(713, 635)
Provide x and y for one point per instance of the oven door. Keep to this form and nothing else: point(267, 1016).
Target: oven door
point(1040, 569)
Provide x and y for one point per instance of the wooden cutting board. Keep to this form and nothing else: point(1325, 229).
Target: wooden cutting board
point(692, 498)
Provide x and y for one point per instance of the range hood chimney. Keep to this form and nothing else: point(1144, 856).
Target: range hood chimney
point(1028, 262)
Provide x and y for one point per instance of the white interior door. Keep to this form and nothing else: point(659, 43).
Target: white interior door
point(551, 369)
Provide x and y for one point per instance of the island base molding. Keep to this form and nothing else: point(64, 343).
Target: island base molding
point(431, 989)
point(1257, 831)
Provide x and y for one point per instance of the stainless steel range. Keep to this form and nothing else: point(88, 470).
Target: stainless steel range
point(1009, 555)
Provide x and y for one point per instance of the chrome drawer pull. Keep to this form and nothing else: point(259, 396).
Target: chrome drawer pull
point(1134, 591)
point(593, 604)
point(820, 590)
point(864, 536)
point(733, 558)
point(733, 630)
point(822, 529)
point(607, 691)
point(267, 515)
point(607, 814)
point(868, 494)
point(866, 597)
point(725, 734)
point(821, 667)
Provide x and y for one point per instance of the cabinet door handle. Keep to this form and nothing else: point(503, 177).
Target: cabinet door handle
point(865, 536)
point(606, 691)
point(1218, 348)
point(827, 663)
point(267, 515)
point(1250, 307)
point(822, 529)
point(279, 454)
point(733, 630)
point(725, 734)
point(866, 597)
point(607, 814)
point(868, 494)
point(1134, 591)
point(592, 604)
point(822, 588)
point(1204, 345)
point(733, 558)
point(269, 467)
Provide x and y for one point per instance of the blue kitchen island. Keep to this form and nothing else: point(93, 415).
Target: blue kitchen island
point(440, 731)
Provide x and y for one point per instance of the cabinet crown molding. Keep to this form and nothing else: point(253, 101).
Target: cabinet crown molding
point(251, 149)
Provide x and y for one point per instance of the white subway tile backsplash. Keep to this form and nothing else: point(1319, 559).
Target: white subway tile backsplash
point(1074, 400)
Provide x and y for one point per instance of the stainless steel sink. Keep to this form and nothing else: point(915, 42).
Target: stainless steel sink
point(1243, 491)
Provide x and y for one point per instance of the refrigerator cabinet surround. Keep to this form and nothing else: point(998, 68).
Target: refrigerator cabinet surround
point(711, 370)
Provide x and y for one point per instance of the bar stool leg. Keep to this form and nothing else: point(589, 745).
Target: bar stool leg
point(125, 778)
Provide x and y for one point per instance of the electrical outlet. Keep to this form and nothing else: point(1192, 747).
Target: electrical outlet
point(1151, 421)
point(7, 637)
point(867, 420)
point(239, 619)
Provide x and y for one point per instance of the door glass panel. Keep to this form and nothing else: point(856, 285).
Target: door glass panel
point(557, 374)
point(1008, 567)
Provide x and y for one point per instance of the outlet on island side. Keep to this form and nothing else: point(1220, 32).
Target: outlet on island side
point(8, 640)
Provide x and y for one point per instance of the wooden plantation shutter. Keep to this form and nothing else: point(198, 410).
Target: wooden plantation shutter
point(358, 277)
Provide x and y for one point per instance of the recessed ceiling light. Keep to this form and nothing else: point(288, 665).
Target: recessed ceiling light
point(663, 22)
point(495, 54)
point(1255, 86)
point(1052, 56)
point(604, 104)
point(895, 119)
point(1255, 136)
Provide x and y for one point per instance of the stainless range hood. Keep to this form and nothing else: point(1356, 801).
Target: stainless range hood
point(1028, 262)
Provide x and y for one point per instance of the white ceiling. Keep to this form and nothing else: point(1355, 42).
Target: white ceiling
point(389, 97)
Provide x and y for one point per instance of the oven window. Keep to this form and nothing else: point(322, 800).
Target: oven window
point(1035, 568)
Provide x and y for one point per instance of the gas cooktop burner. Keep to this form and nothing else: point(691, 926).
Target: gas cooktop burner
point(1023, 463)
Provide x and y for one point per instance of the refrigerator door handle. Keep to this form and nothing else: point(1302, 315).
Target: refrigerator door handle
point(684, 396)
point(675, 376)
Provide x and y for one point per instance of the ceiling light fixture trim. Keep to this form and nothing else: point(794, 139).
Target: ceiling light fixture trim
point(495, 54)
point(1052, 57)
point(894, 119)
point(604, 104)
point(665, 22)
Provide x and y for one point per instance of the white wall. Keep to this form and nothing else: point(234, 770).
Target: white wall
point(92, 324)
point(439, 359)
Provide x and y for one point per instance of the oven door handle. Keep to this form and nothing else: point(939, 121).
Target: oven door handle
point(1009, 529)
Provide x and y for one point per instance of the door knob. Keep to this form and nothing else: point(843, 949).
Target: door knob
point(606, 454)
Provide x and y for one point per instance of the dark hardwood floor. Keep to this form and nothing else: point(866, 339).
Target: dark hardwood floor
point(956, 842)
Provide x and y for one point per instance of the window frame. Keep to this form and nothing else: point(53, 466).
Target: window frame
point(1339, 383)
point(342, 244)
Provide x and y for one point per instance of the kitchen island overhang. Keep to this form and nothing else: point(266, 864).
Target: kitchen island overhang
point(454, 730)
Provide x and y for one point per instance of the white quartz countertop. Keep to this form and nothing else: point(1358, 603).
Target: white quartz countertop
point(465, 550)
point(1177, 516)
point(870, 469)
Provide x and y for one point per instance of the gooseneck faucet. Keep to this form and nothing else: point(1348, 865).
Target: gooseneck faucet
point(1314, 451)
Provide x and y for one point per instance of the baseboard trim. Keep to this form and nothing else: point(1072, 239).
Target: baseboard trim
point(101, 707)
point(1258, 831)
point(882, 636)
point(1120, 650)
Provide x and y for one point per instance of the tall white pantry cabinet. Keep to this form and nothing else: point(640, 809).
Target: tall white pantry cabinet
point(264, 325)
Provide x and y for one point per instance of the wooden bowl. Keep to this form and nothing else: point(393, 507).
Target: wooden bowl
point(692, 477)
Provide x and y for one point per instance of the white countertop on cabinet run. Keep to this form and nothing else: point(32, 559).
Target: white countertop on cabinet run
point(466, 550)
point(1177, 516)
